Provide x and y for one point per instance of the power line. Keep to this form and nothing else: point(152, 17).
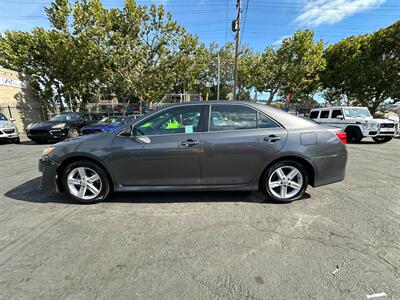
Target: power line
point(245, 17)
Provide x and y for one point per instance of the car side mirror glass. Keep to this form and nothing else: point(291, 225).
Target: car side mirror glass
point(136, 135)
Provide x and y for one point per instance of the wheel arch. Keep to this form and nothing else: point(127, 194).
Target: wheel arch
point(301, 160)
point(72, 159)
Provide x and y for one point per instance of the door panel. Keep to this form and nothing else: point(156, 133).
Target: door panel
point(237, 157)
point(169, 150)
point(166, 160)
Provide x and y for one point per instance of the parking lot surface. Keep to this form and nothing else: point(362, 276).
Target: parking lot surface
point(341, 241)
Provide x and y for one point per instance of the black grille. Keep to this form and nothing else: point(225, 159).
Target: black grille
point(388, 125)
point(90, 131)
point(9, 130)
point(38, 132)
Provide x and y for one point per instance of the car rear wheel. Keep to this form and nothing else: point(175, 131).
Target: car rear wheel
point(73, 132)
point(285, 181)
point(382, 139)
point(86, 182)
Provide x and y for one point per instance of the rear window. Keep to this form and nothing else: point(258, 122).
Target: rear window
point(324, 114)
point(314, 114)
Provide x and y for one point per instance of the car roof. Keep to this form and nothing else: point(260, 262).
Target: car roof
point(337, 107)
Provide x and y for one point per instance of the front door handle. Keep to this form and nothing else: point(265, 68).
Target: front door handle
point(272, 138)
point(189, 143)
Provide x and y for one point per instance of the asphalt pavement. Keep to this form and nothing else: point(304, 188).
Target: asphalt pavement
point(342, 241)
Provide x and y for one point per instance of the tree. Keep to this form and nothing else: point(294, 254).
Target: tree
point(301, 61)
point(366, 69)
point(208, 80)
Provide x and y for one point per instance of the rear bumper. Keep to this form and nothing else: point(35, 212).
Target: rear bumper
point(330, 168)
point(48, 168)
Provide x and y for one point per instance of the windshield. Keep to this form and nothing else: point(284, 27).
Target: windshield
point(2, 117)
point(111, 120)
point(357, 112)
point(65, 117)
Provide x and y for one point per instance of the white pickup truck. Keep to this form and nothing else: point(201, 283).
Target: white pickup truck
point(357, 122)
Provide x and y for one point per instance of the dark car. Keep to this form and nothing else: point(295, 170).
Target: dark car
point(214, 145)
point(112, 123)
point(60, 126)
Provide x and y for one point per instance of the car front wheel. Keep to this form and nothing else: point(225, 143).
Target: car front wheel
point(382, 139)
point(73, 133)
point(285, 181)
point(86, 182)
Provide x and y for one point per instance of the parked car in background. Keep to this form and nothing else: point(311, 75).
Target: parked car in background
point(214, 145)
point(357, 122)
point(112, 123)
point(8, 130)
point(61, 126)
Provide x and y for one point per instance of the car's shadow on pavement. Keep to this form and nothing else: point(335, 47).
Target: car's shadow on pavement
point(29, 192)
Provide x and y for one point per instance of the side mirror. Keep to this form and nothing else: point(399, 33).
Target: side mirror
point(340, 117)
point(12, 120)
point(143, 139)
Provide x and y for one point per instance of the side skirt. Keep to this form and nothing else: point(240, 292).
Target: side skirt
point(122, 188)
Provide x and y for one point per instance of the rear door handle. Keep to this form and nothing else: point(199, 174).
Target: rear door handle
point(189, 143)
point(272, 138)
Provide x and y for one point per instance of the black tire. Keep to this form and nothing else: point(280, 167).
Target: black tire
point(73, 132)
point(354, 135)
point(105, 183)
point(17, 140)
point(266, 190)
point(382, 139)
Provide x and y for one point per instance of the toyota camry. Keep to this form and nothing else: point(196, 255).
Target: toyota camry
point(214, 145)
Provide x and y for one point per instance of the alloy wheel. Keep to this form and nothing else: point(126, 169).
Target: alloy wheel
point(285, 182)
point(73, 133)
point(84, 183)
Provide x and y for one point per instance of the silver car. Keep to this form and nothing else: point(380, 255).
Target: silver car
point(8, 130)
point(214, 145)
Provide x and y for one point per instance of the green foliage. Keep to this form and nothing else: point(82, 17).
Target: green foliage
point(365, 69)
point(140, 53)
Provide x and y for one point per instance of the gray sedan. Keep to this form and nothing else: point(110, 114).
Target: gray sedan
point(214, 145)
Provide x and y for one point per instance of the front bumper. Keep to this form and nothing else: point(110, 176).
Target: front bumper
point(8, 134)
point(48, 168)
point(52, 134)
point(382, 131)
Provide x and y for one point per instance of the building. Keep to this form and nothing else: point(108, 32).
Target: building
point(16, 100)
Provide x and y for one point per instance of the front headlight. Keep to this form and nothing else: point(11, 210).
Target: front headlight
point(369, 126)
point(61, 125)
point(48, 151)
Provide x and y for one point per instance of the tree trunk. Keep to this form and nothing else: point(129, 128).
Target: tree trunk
point(271, 97)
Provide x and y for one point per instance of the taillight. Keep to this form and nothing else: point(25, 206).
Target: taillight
point(342, 136)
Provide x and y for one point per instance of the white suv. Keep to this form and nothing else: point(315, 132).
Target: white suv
point(357, 122)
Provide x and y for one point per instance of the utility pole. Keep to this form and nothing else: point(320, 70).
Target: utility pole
point(236, 28)
point(219, 79)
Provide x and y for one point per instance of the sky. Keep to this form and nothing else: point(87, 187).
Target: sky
point(264, 22)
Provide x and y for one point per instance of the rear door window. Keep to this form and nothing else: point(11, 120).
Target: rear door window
point(324, 114)
point(232, 117)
